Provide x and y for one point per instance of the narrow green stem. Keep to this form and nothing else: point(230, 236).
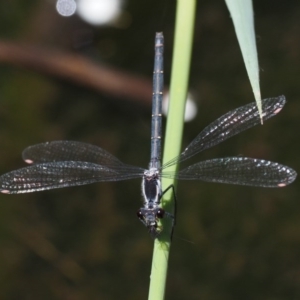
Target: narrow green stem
point(184, 30)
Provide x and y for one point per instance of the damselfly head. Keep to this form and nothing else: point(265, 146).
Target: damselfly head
point(150, 217)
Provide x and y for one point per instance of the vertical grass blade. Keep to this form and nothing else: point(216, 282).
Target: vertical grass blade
point(184, 29)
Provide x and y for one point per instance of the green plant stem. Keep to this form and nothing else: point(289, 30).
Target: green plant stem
point(184, 30)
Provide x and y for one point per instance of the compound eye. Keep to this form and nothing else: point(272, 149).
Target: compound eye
point(140, 214)
point(160, 213)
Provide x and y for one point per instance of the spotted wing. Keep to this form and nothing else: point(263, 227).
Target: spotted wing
point(69, 151)
point(238, 170)
point(228, 125)
point(52, 175)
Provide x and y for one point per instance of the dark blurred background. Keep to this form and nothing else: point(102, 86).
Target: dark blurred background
point(64, 78)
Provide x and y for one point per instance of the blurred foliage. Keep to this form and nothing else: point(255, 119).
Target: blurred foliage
point(78, 243)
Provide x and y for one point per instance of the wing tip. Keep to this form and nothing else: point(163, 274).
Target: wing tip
point(28, 161)
point(5, 191)
point(288, 180)
point(281, 100)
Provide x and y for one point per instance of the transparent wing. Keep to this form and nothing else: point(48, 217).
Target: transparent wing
point(69, 151)
point(238, 170)
point(52, 175)
point(229, 125)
